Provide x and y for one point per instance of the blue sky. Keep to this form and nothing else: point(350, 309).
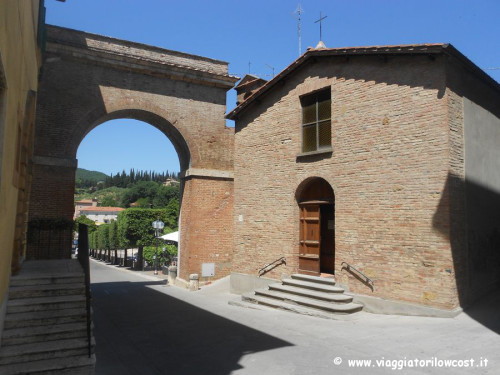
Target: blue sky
point(264, 34)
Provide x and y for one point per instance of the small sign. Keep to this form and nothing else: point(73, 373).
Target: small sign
point(207, 269)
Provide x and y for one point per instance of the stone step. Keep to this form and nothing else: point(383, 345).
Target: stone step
point(21, 305)
point(41, 318)
point(342, 308)
point(313, 286)
point(292, 290)
point(81, 365)
point(327, 312)
point(33, 291)
point(27, 335)
point(314, 279)
point(74, 278)
point(44, 351)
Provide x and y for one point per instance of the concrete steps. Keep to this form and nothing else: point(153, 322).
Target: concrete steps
point(23, 305)
point(71, 366)
point(51, 349)
point(304, 294)
point(28, 335)
point(44, 318)
point(45, 328)
point(49, 290)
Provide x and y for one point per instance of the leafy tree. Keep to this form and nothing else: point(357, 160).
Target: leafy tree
point(113, 238)
point(172, 210)
point(165, 194)
point(142, 189)
point(108, 201)
point(165, 253)
point(144, 202)
point(113, 235)
point(103, 237)
point(82, 219)
point(135, 227)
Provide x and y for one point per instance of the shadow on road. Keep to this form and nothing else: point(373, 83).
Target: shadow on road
point(142, 331)
point(487, 311)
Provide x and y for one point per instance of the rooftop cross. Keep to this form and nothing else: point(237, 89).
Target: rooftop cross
point(320, 25)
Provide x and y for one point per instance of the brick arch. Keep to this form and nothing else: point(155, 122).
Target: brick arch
point(88, 79)
point(94, 119)
point(314, 188)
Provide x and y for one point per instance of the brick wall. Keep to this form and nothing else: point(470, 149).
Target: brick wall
point(206, 226)
point(388, 169)
point(89, 79)
point(52, 195)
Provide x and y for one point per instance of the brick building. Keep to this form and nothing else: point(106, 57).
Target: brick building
point(380, 159)
point(385, 158)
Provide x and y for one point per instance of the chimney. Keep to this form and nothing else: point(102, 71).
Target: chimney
point(247, 86)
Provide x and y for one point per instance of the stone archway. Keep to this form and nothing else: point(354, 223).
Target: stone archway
point(88, 79)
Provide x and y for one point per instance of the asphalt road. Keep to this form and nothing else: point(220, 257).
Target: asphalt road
point(143, 326)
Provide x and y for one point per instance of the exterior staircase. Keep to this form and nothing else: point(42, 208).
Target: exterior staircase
point(45, 328)
point(304, 294)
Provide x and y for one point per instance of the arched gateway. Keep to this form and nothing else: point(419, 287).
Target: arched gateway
point(88, 79)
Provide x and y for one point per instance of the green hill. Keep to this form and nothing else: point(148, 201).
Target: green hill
point(86, 175)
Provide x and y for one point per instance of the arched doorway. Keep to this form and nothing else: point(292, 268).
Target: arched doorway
point(317, 227)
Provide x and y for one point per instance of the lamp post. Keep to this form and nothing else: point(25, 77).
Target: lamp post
point(158, 226)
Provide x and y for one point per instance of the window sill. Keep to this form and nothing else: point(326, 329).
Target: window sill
point(323, 151)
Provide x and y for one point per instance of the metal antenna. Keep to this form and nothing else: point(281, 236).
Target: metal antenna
point(270, 67)
point(299, 12)
point(249, 65)
point(320, 26)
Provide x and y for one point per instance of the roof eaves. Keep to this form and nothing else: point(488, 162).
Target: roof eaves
point(233, 114)
point(433, 48)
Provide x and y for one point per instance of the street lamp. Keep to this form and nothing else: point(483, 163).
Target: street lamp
point(158, 227)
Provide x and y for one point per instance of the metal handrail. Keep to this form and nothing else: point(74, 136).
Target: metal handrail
point(83, 258)
point(276, 263)
point(349, 267)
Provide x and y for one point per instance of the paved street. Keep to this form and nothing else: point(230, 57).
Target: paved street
point(143, 326)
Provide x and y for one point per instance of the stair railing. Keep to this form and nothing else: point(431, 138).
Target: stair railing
point(83, 258)
point(350, 269)
point(270, 266)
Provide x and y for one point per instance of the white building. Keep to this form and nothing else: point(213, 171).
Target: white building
point(84, 203)
point(101, 215)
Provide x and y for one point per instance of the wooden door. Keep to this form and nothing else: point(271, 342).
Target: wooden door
point(327, 248)
point(310, 239)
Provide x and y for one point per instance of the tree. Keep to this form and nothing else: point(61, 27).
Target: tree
point(113, 235)
point(82, 219)
point(142, 189)
point(108, 201)
point(135, 227)
point(165, 194)
point(172, 210)
point(103, 237)
point(144, 202)
point(165, 253)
